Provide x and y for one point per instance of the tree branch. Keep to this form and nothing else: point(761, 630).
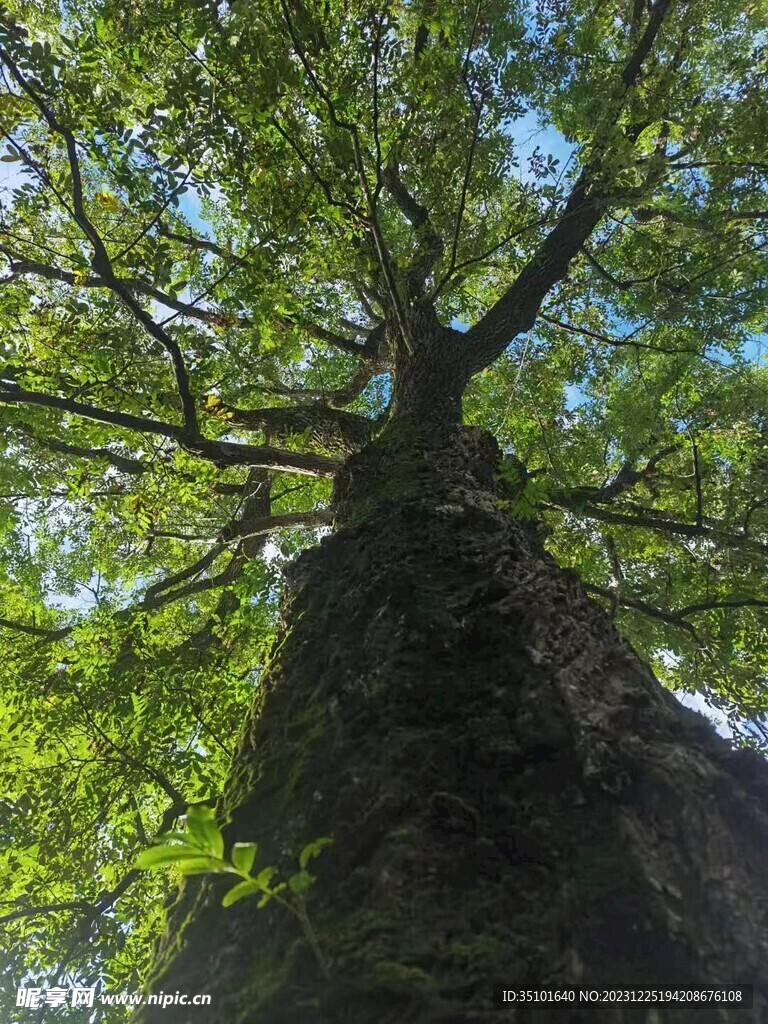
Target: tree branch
point(105, 900)
point(39, 631)
point(189, 309)
point(101, 259)
point(677, 617)
point(336, 398)
point(259, 526)
point(321, 333)
point(625, 479)
point(123, 463)
point(331, 429)
point(46, 908)
point(516, 310)
point(477, 109)
point(195, 569)
point(195, 242)
point(671, 618)
point(221, 453)
point(431, 244)
point(371, 221)
point(664, 525)
point(709, 606)
point(12, 395)
point(615, 342)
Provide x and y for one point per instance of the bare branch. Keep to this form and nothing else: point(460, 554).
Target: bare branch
point(195, 569)
point(238, 530)
point(616, 342)
point(195, 242)
point(670, 618)
point(228, 453)
point(123, 463)
point(677, 617)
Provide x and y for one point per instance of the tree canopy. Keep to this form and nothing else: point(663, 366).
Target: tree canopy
point(215, 222)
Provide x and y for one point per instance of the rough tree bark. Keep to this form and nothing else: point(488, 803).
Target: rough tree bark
point(513, 797)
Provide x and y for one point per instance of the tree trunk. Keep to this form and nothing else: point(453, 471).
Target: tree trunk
point(513, 798)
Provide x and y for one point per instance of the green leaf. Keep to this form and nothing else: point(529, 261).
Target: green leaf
point(241, 890)
point(312, 849)
point(301, 882)
point(243, 856)
point(162, 856)
point(265, 876)
point(201, 822)
point(199, 865)
point(178, 837)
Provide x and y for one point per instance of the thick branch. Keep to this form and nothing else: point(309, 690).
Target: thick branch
point(331, 429)
point(189, 571)
point(258, 526)
point(625, 479)
point(39, 631)
point(11, 395)
point(431, 245)
point(227, 453)
point(122, 463)
point(337, 398)
point(515, 312)
point(222, 453)
point(264, 526)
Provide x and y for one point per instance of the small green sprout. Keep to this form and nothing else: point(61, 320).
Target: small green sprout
point(200, 850)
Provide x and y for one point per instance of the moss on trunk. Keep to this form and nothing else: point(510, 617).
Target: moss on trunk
point(513, 797)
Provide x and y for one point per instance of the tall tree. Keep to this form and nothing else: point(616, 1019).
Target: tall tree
point(288, 270)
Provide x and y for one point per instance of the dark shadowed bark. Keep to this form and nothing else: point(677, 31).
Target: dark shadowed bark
point(513, 797)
